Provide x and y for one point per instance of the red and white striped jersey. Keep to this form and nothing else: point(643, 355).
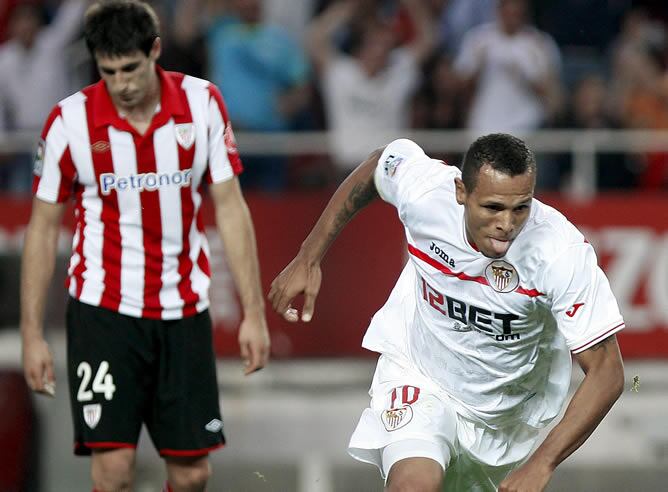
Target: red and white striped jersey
point(139, 246)
point(495, 334)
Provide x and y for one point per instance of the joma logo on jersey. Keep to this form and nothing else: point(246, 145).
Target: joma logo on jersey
point(476, 317)
point(442, 254)
point(144, 181)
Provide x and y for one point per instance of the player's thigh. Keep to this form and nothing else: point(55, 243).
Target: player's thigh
point(414, 472)
point(184, 416)
point(109, 361)
point(407, 413)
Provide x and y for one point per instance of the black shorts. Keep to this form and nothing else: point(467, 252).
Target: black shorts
point(125, 371)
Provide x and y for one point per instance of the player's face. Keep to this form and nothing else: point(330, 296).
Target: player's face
point(129, 78)
point(496, 209)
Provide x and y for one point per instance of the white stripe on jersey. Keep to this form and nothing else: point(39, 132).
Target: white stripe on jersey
point(198, 101)
point(166, 161)
point(56, 142)
point(74, 116)
point(130, 225)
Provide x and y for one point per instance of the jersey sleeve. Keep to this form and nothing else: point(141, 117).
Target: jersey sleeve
point(581, 299)
point(404, 173)
point(53, 168)
point(224, 160)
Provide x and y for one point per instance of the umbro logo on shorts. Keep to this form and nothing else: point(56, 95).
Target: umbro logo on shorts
point(214, 426)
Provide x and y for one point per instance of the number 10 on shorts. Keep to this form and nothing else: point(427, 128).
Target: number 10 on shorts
point(103, 382)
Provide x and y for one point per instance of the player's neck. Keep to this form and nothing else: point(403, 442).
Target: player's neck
point(141, 114)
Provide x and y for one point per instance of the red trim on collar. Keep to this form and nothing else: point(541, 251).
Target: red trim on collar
point(171, 102)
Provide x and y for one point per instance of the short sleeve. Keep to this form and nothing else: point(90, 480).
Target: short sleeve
point(53, 168)
point(395, 172)
point(581, 299)
point(224, 160)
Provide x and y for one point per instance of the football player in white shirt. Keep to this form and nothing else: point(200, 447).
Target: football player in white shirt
point(475, 340)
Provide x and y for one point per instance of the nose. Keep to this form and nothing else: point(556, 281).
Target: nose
point(505, 222)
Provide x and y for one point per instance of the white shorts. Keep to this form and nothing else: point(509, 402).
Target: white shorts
point(409, 417)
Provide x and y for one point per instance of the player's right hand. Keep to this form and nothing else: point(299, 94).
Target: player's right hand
point(38, 366)
point(299, 277)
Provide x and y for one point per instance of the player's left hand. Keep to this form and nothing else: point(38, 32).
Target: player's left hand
point(530, 477)
point(254, 342)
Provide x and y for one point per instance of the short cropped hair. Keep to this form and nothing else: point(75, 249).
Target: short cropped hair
point(120, 27)
point(504, 153)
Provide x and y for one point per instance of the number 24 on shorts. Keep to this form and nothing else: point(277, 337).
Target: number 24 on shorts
point(103, 382)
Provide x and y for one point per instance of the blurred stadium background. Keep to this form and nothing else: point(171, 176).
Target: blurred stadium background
point(601, 141)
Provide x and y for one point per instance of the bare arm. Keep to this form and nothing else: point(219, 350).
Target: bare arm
point(425, 35)
point(303, 275)
point(37, 265)
point(319, 37)
point(236, 230)
point(600, 389)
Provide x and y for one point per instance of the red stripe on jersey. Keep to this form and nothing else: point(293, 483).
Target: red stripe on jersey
point(110, 217)
point(230, 142)
point(55, 113)
point(151, 226)
point(203, 259)
point(77, 273)
point(461, 275)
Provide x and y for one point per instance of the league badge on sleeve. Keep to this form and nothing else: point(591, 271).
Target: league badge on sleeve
point(185, 134)
point(38, 163)
point(502, 276)
point(391, 164)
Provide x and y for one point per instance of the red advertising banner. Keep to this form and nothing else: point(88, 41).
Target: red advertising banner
point(629, 232)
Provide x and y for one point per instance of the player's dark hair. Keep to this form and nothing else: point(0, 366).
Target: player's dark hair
point(120, 27)
point(502, 152)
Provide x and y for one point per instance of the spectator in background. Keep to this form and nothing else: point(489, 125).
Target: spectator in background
point(33, 77)
point(264, 76)
point(459, 17)
point(640, 83)
point(511, 71)
point(366, 94)
point(183, 43)
point(438, 104)
point(589, 109)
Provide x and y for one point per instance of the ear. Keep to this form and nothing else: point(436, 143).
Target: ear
point(156, 49)
point(460, 191)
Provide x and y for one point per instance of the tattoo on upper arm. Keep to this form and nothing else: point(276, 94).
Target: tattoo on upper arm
point(359, 197)
point(603, 344)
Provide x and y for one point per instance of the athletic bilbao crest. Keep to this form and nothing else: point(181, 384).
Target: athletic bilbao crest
point(502, 276)
point(396, 418)
point(92, 414)
point(230, 141)
point(185, 134)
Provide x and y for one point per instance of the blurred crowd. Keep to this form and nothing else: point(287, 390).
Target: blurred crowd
point(365, 69)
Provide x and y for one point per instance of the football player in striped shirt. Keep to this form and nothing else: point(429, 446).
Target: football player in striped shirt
point(134, 153)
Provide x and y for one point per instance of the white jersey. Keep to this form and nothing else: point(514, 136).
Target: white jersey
point(494, 334)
